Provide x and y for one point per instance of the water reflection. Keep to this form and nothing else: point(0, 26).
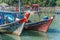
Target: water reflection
point(9, 37)
point(33, 35)
point(53, 31)
point(52, 34)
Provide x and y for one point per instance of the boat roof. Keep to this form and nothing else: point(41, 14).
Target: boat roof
point(26, 5)
point(35, 5)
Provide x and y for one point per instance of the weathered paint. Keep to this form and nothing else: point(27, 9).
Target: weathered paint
point(40, 27)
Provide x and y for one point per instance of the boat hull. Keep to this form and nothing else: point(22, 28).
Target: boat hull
point(15, 27)
point(42, 26)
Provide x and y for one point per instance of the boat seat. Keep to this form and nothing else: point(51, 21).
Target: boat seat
point(35, 23)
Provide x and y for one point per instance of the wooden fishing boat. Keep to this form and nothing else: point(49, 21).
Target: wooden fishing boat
point(14, 27)
point(39, 26)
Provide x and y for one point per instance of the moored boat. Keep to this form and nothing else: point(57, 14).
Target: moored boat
point(14, 27)
point(39, 26)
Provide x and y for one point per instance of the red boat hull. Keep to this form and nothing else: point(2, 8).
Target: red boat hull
point(41, 27)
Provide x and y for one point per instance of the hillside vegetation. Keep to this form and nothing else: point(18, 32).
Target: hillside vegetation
point(42, 3)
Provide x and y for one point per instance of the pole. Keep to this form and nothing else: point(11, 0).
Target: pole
point(19, 6)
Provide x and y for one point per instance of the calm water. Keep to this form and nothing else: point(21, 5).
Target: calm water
point(52, 34)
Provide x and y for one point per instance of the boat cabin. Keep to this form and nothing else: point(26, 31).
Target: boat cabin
point(35, 7)
point(26, 7)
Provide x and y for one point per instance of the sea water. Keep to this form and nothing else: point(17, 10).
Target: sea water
point(52, 34)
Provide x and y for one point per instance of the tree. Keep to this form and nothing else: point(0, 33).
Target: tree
point(29, 2)
point(0, 1)
point(58, 3)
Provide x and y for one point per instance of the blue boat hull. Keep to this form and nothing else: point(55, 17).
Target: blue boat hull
point(13, 26)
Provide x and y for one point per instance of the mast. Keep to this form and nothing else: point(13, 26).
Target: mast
point(19, 6)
